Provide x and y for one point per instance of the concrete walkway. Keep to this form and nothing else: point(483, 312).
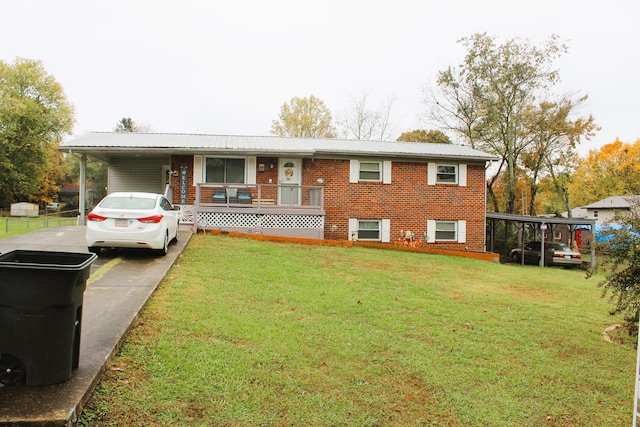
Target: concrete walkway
point(110, 305)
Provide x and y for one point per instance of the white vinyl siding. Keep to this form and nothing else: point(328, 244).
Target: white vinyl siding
point(133, 175)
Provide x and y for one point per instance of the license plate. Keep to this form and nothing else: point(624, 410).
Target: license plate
point(567, 257)
point(122, 222)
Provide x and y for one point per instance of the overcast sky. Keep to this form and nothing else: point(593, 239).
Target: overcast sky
point(226, 67)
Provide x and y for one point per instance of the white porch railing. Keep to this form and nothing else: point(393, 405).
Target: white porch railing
point(284, 210)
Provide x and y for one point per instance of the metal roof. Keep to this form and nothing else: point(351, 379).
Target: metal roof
point(614, 202)
point(540, 219)
point(94, 143)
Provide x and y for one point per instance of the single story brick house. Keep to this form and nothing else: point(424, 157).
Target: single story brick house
point(317, 188)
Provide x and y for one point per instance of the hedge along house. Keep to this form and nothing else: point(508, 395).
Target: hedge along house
point(316, 188)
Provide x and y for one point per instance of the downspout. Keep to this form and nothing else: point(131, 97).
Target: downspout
point(484, 194)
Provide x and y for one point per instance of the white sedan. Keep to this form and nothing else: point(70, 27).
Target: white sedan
point(133, 220)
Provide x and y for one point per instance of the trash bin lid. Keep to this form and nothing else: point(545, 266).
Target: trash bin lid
point(49, 260)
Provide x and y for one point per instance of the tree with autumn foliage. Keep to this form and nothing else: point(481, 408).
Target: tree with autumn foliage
point(304, 118)
point(34, 118)
point(497, 100)
point(551, 149)
point(612, 170)
point(421, 135)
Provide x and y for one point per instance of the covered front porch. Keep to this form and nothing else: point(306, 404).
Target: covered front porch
point(272, 209)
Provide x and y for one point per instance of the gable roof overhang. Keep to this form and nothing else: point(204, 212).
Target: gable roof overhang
point(615, 202)
point(108, 146)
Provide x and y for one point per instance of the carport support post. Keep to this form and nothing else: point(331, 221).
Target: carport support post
point(543, 252)
point(82, 196)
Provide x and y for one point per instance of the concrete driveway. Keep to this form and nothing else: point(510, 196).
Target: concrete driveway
point(112, 300)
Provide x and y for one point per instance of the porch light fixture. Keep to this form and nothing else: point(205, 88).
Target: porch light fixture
point(320, 180)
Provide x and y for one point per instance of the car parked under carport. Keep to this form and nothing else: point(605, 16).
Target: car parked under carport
point(556, 254)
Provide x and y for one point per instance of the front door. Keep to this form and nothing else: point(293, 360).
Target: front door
point(290, 180)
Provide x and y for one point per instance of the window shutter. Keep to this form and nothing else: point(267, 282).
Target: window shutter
point(354, 171)
point(431, 173)
point(386, 172)
point(462, 231)
point(197, 170)
point(385, 232)
point(431, 231)
point(462, 175)
point(353, 229)
point(251, 169)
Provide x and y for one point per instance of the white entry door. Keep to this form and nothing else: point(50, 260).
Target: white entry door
point(290, 174)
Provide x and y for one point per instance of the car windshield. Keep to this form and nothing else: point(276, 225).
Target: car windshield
point(128, 203)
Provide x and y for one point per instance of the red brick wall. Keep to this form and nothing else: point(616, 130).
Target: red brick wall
point(408, 201)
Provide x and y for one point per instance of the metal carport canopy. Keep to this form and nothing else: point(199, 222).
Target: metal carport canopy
point(540, 219)
point(544, 220)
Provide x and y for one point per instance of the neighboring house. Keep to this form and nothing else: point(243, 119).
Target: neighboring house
point(605, 211)
point(319, 188)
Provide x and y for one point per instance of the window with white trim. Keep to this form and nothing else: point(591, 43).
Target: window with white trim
point(368, 230)
point(446, 230)
point(370, 171)
point(224, 170)
point(447, 174)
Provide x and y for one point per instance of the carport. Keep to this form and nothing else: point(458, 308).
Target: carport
point(539, 224)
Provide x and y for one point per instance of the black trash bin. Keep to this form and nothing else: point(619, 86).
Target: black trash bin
point(41, 297)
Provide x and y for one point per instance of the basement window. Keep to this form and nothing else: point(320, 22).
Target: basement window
point(446, 230)
point(369, 230)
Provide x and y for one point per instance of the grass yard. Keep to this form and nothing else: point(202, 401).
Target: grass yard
point(247, 333)
point(14, 226)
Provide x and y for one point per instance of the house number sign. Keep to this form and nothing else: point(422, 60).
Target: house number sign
point(184, 179)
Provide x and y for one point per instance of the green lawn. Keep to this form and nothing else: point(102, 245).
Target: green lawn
point(13, 226)
point(246, 333)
